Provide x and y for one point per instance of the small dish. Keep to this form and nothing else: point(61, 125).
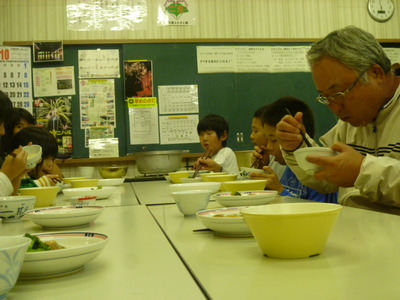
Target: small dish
point(309, 167)
point(100, 193)
point(64, 216)
point(34, 155)
point(80, 248)
point(246, 198)
point(13, 208)
point(225, 222)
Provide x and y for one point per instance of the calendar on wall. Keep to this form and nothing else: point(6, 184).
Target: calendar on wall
point(15, 75)
point(179, 129)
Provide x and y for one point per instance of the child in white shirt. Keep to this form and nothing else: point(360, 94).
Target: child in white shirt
point(213, 133)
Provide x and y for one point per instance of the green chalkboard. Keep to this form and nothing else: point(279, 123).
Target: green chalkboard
point(233, 95)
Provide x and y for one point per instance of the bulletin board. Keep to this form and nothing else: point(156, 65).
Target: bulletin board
point(233, 95)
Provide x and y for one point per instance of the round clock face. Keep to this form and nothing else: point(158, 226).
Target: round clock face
point(381, 10)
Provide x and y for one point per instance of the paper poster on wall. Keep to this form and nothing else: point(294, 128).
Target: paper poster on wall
point(252, 59)
point(58, 81)
point(48, 51)
point(56, 115)
point(180, 129)
point(98, 133)
point(98, 63)
point(143, 121)
point(178, 99)
point(138, 78)
point(177, 12)
point(97, 103)
point(94, 15)
point(103, 148)
point(15, 75)
point(393, 54)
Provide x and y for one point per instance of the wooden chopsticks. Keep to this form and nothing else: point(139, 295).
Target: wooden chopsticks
point(206, 154)
point(302, 133)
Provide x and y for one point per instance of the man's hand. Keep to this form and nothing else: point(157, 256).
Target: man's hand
point(341, 169)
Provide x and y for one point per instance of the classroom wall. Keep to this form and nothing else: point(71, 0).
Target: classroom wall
point(27, 20)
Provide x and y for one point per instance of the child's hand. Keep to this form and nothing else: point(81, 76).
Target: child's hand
point(14, 165)
point(209, 164)
point(260, 157)
point(273, 182)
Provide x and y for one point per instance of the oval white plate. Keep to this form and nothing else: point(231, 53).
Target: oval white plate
point(64, 216)
point(247, 198)
point(102, 193)
point(80, 248)
point(225, 226)
point(111, 181)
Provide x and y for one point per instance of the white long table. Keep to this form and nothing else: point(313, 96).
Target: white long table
point(137, 263)
point(361, 260)
point(153, 192)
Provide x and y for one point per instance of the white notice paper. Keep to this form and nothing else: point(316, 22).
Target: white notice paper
point(103, 148)
point(178, 99)
point(179, 129)
point(143, 120)
point(99, 63)
point(54, 81)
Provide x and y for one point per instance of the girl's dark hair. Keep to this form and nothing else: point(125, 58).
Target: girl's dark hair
point(215, 123)
point(6, 108)
point(38, 136)
point(18, 115)
point(277, 110)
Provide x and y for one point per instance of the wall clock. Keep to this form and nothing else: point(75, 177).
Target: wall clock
point(381, 10)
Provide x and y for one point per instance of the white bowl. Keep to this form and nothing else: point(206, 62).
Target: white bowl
point(12, 208)
point(45, 195)
point(229, 224)
point(12, 253)
point(246, 198)
point(190, 202)
point(212, 186)
point(34, 155)
point(245, 172)
point(100, 193)
point(64, 216)
point(307, 166)
point(80, 248)
point(291, 230)
point(111, 181)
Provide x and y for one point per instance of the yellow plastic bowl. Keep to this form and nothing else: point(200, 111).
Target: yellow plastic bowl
point(45, 196)
point(204, 175)
point(244, 185)
point(176, 177)
point(291, 230)
point(220, 178)
point(69, 179)
point(84, 183)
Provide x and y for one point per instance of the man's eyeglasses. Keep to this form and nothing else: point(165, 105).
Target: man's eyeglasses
point(339, 96)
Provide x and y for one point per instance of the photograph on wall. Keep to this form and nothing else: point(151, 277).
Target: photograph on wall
point(56, 115)
point(48, 51)
point(138, 78)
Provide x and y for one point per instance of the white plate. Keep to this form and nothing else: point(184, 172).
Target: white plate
point(247, 198)
point(111, 181)
point(81, 247)
point(102, 193)
point(64, 216)
point(225, 226)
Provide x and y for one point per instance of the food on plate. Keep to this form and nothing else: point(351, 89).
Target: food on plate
point(38, 245)
point(99, 187)
point(227, 215)
point(236, 194)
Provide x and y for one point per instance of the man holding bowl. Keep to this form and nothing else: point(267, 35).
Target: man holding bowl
point(355, 80)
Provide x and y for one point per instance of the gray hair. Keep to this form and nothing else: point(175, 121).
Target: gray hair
point(352, 46)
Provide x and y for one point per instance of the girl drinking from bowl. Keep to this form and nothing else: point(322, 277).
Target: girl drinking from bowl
point(46, 172)
point(14, 164)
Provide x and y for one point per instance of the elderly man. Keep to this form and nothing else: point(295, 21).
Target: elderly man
point(355, 80)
